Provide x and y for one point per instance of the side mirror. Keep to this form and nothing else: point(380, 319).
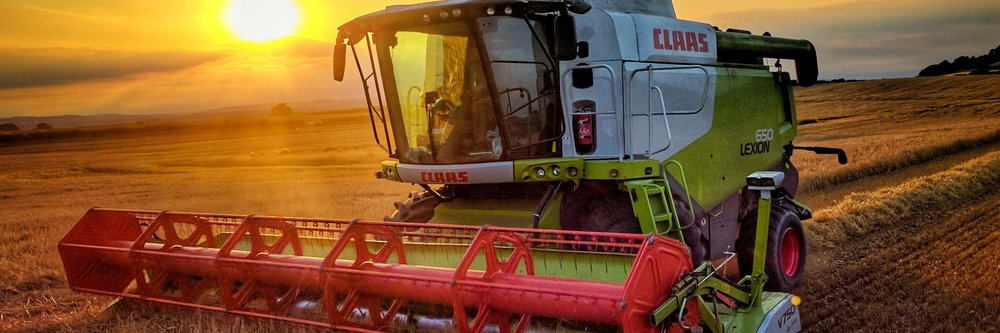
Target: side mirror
point(339, 58)
point(565, 36)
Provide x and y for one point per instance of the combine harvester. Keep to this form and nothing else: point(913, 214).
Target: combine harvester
point(587, 166)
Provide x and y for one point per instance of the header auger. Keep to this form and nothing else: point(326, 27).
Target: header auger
point(587, 166)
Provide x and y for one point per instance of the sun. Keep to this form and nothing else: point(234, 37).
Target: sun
point(262, 20)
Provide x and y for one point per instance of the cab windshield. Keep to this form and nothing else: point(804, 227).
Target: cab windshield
point(443, 107)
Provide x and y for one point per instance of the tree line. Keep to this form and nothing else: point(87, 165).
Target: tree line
point(976, 65)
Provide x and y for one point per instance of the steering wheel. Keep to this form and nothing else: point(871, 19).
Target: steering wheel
point(442, 108)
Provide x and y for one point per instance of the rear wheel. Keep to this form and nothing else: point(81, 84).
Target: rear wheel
point(785, 260)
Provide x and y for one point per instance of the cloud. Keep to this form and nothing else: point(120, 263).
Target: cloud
point(23, 68)
point(308, 48)
point(240, 78)
point(288, 47)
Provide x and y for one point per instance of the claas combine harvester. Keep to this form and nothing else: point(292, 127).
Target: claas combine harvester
point(587, 166)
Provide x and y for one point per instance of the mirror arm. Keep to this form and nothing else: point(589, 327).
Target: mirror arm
point(841, 154)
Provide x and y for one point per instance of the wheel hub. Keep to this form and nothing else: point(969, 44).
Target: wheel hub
point(790, 252)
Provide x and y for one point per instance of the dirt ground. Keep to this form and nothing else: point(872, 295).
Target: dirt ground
point(905, 239)
point(920, 265)
point(932, 272)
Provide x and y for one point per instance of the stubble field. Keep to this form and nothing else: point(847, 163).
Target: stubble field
point(904, 239)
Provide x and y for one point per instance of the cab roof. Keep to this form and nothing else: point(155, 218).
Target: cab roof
point(440, 10)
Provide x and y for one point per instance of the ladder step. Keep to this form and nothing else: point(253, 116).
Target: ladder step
point(653, 190)
point(661, 218)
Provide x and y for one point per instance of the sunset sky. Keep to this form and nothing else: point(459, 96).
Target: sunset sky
point(135, 56)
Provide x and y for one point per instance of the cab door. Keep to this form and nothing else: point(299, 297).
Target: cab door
point(592, 98)
point(667, 107)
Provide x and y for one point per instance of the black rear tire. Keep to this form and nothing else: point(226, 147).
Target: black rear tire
point(785, 261)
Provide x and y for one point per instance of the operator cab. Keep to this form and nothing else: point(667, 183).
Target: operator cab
point(463, 85)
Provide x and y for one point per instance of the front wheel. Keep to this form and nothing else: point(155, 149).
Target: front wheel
point(785, 260)
point(600, 207)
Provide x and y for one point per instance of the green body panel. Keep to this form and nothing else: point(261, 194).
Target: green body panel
point(550, 216)
point(746, 100)
point(749, 319)
point(757, 276)
point(519, 212)
point(389, 171)
point(578, 265)
point(526, 170)
point(514, 213)
point(622, 170)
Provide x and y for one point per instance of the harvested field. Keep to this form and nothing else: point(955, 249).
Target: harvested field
point(890, 125)
point(905, 237)
point(927, 251)
point(230, 166)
